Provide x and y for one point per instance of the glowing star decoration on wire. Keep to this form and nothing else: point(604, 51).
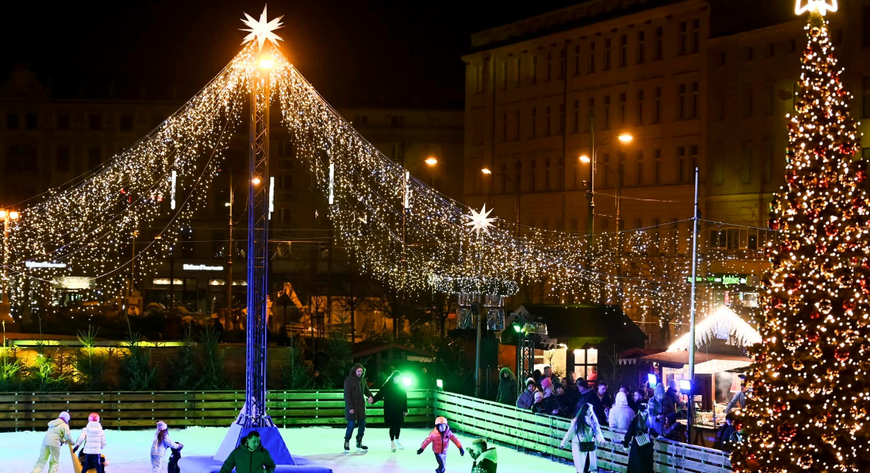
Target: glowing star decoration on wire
point(820, 6)
point(262, 30)
point(480, 221)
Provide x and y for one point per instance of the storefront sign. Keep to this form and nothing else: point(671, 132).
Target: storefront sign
point(201, 267)
point(723, 279)
point(43, 264)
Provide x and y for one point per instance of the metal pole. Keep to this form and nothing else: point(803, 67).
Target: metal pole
point(477, 354)
point(230, 250)
point(691, 420)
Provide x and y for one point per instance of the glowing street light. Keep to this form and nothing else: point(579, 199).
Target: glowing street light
point(267, 63)
point(256, 181)
point(585, 159)
point(431, 160)
point(486, 171)
point(625, 138)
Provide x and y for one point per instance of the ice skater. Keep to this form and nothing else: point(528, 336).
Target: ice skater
point(356, 394)
point(440, 437)
point(58, 433)
point(485, 457)
point(95, 441)
point(160, 444)
point(395, 407)
point(584, 433)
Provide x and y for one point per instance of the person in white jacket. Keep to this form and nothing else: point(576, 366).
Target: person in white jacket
point(584, 433)
point(160, 444)
point(58, 433)
point(95, 441)
point(620, 415)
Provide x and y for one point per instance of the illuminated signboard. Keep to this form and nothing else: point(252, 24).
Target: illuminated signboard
point(723, 279)
point(201, 267)
point(43, 264)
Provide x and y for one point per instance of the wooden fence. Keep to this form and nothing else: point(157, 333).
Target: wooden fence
point(136, 410)
point(540, 433)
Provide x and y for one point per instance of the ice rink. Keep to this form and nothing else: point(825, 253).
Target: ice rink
point(128, 451)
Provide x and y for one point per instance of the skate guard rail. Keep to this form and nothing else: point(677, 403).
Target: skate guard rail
point(541, 433)
point(136, 410)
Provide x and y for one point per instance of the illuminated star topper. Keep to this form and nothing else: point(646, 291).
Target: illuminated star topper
point(821, 6)
point(262, 30)
point(480, 221)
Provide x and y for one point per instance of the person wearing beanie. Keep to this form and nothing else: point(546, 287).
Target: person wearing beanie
point(160, 444)
point(485, 458)
point(94, 440)
point(527, 398)
point(440, 438)
point(547, 386)
point(659, 407)
point(57, 434)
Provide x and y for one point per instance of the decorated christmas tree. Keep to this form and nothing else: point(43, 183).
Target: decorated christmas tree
point(811, 379)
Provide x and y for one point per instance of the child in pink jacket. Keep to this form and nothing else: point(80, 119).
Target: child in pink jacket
point(440, 438)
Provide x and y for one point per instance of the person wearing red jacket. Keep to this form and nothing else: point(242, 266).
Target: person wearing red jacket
point(440, 438)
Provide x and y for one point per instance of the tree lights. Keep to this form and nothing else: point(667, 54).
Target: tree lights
point(811, 377)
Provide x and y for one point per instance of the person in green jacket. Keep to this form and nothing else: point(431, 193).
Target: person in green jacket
point(249, 457)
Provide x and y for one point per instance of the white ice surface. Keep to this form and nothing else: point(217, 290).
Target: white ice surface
point(128, 451)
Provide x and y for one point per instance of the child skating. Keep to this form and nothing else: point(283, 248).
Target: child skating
point(440, 438)
point(58, 433)
point(95, 441)
point(160, 444)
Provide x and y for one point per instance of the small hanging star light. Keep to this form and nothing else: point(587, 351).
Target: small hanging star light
point(480, 221)
point(262, 30)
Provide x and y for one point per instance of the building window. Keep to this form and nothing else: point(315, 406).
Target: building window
point(517, 124)
point(721, 58)
point(606, 112)
point(771, 50)
point(534, 122)
point(63, 121)
point(360, 120)
point(21, 158)
point(534, 69)
point(606, 55)
point(576, 116)
point(12, 121)
point(547, 174)
point(532, 176)
point(586, 364)
point(746, 163)
point(577, 60)
point(95, 122)
point(504, 75)
point(640, 107)
point(641, 47)
point(94, 157)
point(657, 109)
point(126, 122)
point(623, 51)
point(519, 65)
point(549, 66)
point(518, 174)
point(747, 53)
point(657, 166)
point(503, 177)
point(591, 112)
point(623, 100)
point(620, 169)
point(563, 63)
point(591, 57)
point(606, 167)
point(681, 164)
point(694, 100)
point(397, 122)
point(639, 177)
point(719, 109)
point(684, 36)
point(865, 103)
point(30, 121)
point(504, 126)
point(693, 159)
point(746, 101)
point(561, 176)
point(549, 122)
point(696, 35)
point(62, 159)
point(657, 51)
point(865, 21)
point(561, 119)
point(681, 102)
point(792, 44)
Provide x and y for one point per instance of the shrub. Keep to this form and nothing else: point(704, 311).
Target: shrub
point(297, 373)
point(211, 360)
point(182, 372)
point(136, 370)
point(90, 363)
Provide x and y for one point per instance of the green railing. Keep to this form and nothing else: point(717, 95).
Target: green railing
point(540, 433)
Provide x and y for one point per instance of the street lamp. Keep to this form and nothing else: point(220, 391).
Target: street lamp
point(489, 172)
point(624, 138)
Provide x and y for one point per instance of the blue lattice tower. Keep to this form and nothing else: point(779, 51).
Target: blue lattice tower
point(253, 415)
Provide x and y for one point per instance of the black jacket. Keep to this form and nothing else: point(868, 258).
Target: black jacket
point(356, 390)
point(395, 400)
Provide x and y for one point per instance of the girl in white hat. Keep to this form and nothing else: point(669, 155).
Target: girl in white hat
point(58, 433)
point(160, 444)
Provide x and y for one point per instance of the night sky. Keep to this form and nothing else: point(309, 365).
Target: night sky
point(356, 53)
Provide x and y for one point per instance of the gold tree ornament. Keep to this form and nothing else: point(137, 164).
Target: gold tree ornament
point(262, 30)
point(822, 7)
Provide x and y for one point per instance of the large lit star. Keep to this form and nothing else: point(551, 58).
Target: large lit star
point(480, 221)
point(262, 30)
point(821, 6)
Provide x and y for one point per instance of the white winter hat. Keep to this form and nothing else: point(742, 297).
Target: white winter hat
point(64, 416)
point(161, 426)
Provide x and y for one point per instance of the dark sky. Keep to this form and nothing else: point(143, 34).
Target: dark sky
point(355, 52)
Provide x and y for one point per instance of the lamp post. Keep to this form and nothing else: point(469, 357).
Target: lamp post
point(624, 138)
point(489, 172)
point(5, 308)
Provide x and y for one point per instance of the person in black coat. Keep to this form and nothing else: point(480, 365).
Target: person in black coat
point(356, 393)
point(395, 407)
point(639, 439)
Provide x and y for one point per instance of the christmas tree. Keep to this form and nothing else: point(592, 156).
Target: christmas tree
point(811, 377)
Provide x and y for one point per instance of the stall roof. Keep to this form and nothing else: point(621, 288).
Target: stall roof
point(723, 323)
point(585, 321)
point(370, 347)
point(705, 363)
